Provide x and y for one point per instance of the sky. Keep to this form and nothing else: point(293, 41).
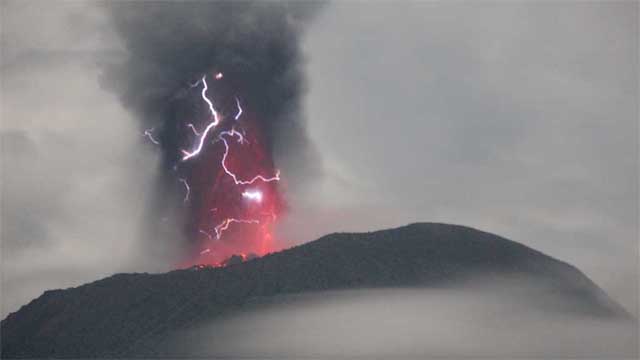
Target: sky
point(516, 118)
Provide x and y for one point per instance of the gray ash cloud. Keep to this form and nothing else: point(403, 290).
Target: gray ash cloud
point(255, 43)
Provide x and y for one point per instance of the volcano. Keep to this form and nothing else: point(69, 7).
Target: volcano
point(129, 315)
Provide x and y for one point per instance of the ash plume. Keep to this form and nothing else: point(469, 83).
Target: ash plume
point(171, 46)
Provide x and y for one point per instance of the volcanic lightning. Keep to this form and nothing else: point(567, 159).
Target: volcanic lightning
point(212, 124)
point(233, 132)
point(235, 162)
point(149, 133)
point(206, 234)
point(239, 110)
point(193, 128)
point(220, 111)
point(225, 225)
point(187, 187)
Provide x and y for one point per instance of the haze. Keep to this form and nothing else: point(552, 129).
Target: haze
point(515, 118)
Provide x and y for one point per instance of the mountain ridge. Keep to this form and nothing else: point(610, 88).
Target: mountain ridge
point(134, 310)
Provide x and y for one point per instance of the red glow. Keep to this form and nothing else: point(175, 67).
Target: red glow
point(222, 221)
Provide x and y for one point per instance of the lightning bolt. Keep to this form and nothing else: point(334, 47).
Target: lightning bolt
point(193, 128)
point(186, 185)
point(225, 225)
point(212, 124)
point(204, 136)
point(149, 133)
point(239, 110)
point(205, 233)
point(233, 132)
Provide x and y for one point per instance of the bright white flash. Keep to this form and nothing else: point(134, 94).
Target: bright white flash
point(253, 195)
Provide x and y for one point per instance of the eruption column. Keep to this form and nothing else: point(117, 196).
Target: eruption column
point(259, 93)
point(238, 212)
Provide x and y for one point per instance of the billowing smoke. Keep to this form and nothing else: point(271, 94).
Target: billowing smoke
point(217, 88)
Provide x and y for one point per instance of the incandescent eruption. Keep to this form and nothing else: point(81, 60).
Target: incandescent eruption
point(228, 176)
point(234, 191)
point(216, 86)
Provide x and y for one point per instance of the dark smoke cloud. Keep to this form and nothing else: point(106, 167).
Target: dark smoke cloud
point(171, 45)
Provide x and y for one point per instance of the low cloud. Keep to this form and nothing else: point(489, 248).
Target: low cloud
point(485, 321)
point(75, 171)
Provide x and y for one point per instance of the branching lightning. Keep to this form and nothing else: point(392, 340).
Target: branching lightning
point(233, 132)
point(225, 225)
point(212, 124)
point(264, 214)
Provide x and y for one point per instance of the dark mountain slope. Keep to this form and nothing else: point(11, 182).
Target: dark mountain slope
point(124, 314)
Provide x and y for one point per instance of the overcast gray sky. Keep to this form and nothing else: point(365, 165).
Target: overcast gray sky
point(517, 118)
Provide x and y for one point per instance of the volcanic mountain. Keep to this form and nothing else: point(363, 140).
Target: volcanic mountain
point(130, 314)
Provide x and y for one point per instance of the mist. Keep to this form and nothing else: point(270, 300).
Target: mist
point(82, 187)
point(75, 169)
point(516, 118)
point(519, 119)
point(494, 320)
